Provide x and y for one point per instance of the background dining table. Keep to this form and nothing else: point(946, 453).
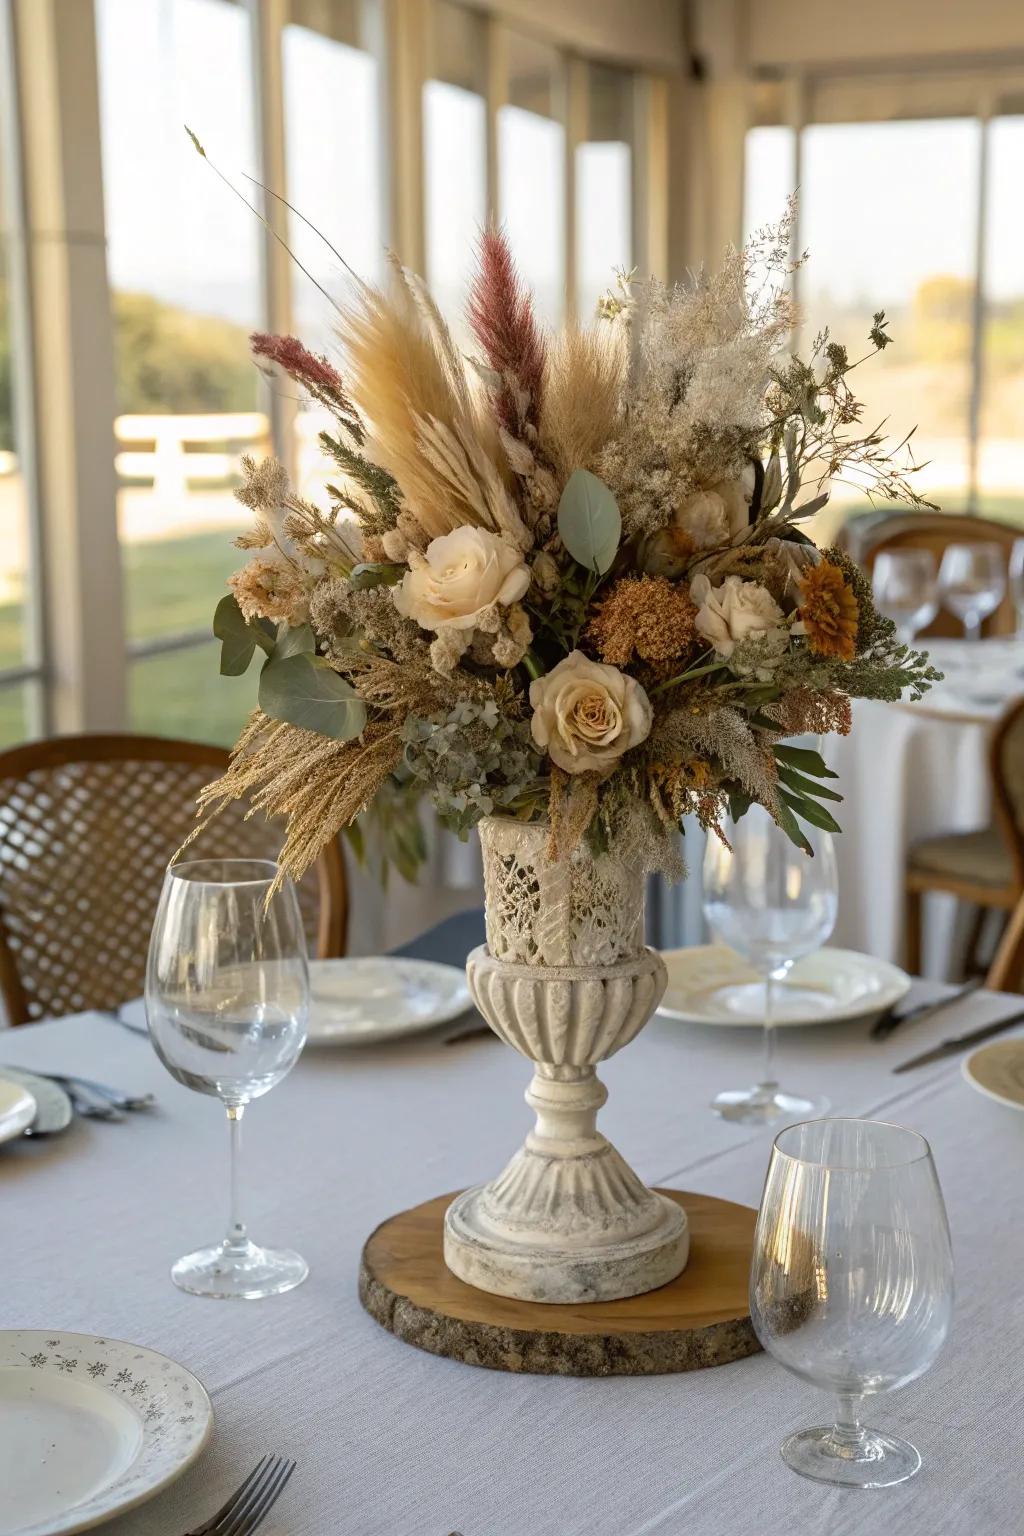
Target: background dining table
point(909, 771)
point(394, 1442)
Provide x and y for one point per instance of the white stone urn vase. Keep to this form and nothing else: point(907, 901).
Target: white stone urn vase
point(564, 978)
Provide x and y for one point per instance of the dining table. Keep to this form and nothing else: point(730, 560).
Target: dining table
point(392, 1441)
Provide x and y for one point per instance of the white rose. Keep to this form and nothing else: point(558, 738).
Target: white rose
point(735, 611)
point(586, 714)
point(460, 576)
point(705, 518)
point(736, 497)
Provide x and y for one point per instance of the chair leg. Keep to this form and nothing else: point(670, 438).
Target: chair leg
point(912, 930)
point(972, 957)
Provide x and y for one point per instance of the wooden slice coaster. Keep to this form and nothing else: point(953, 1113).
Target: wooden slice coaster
point(698, 1320)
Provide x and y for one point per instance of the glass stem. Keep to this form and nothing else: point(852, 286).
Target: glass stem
point(848, 1433)
point(972, 626)
point(768, 1079)
point(237, 1236)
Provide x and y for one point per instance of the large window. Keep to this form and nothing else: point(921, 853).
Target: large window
point(183, 258)
point(895, 216)
point(455, 156)
point(604, 185)
point(531, 169)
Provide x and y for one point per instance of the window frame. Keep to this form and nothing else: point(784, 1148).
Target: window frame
point(79, 652)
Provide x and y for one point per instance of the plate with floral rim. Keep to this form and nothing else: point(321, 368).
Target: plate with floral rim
point(710, 984)
point(90, 1427)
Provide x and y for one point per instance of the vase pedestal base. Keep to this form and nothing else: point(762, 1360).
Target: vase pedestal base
point(697, 1320)
point(530, 1268)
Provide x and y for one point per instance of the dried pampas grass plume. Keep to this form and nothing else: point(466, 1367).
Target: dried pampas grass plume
point(583, 382)
point(503, 321)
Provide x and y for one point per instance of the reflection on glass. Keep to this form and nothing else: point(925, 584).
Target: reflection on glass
point(184, 268)
point(1001, 448)
point(917, 265)
point(332, 113)
point(531, 177)
point(972, 583)
point(14, 525)
point(904, 587)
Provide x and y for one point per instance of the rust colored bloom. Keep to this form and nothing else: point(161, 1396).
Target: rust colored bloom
point(802, 711)
point(828, 612)
point(644, 616)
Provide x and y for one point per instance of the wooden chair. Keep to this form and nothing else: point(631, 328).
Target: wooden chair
point(934, 531)
point(986, 867)
point(1006, 973)
point(87, 827)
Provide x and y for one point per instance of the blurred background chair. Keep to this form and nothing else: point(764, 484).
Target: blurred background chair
point(984, 868)
point(1006, 973)
point(935, 532)
point(88, 825)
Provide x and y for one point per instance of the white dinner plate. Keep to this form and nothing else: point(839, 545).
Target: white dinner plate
point(997, 1071)
point(365, 1000)
point(17, 1108)
point(709, 984)
point(53, 1111)
point(89, 1428)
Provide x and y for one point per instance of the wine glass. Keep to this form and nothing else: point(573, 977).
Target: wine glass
point(772, 904)
point(972, 581)
point(1016, 575)
point(904, 584)
point(227, 1000)
point(851, 1285)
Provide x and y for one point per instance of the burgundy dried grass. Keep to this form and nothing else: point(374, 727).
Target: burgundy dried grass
point(502, 317)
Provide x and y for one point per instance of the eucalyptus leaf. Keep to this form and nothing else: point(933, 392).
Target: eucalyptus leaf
point(803, 786)
point(237, 641)
point(806, 760)
point(789, 824)
point(810, 810)
point(383, 573)
point(739, 803)
point(305, 691)
point(299, 641)
point(589, 521)
point(265, 634)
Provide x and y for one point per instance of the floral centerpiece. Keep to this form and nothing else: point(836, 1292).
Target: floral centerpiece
point(563, 579)
point(561, 586)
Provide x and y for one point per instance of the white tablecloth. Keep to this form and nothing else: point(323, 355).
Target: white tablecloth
point(394, 1442)
point(908, 771)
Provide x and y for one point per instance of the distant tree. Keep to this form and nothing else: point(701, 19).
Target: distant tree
point(942, 313)
point(169, 360)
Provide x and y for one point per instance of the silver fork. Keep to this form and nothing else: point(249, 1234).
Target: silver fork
point(251, 1502)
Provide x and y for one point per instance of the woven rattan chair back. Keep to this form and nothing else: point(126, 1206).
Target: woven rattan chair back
point(934, 531)
point(87, 827)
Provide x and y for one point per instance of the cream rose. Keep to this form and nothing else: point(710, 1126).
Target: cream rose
point(459, 578)
point(585, 714)
point(738, 610)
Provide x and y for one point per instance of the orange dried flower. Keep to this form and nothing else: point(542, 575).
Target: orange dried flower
point(829, 612)
point(643, 616)
point(803, 711)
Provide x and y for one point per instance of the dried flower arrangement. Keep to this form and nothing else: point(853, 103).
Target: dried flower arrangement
point(563, 579)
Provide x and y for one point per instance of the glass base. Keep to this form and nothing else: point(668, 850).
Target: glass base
point(867, 1459)
point(766, 1104)
point(239, 1271)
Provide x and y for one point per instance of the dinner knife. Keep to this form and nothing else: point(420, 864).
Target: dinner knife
point(957, 1043)
point(890, 1020)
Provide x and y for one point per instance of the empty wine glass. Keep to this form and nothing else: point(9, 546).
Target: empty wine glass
point(972, 581)
point(1016, 575)
point(851, 1286)
point(227, 1000)
point(904, 583)
point(772, 904)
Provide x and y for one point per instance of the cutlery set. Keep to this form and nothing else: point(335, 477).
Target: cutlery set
point(890, 1021)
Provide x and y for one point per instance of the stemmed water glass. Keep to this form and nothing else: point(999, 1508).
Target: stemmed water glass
point(772, 904)
point(227, 1000)
point(905, 588)
point(972, 581)
point(851, 1286)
